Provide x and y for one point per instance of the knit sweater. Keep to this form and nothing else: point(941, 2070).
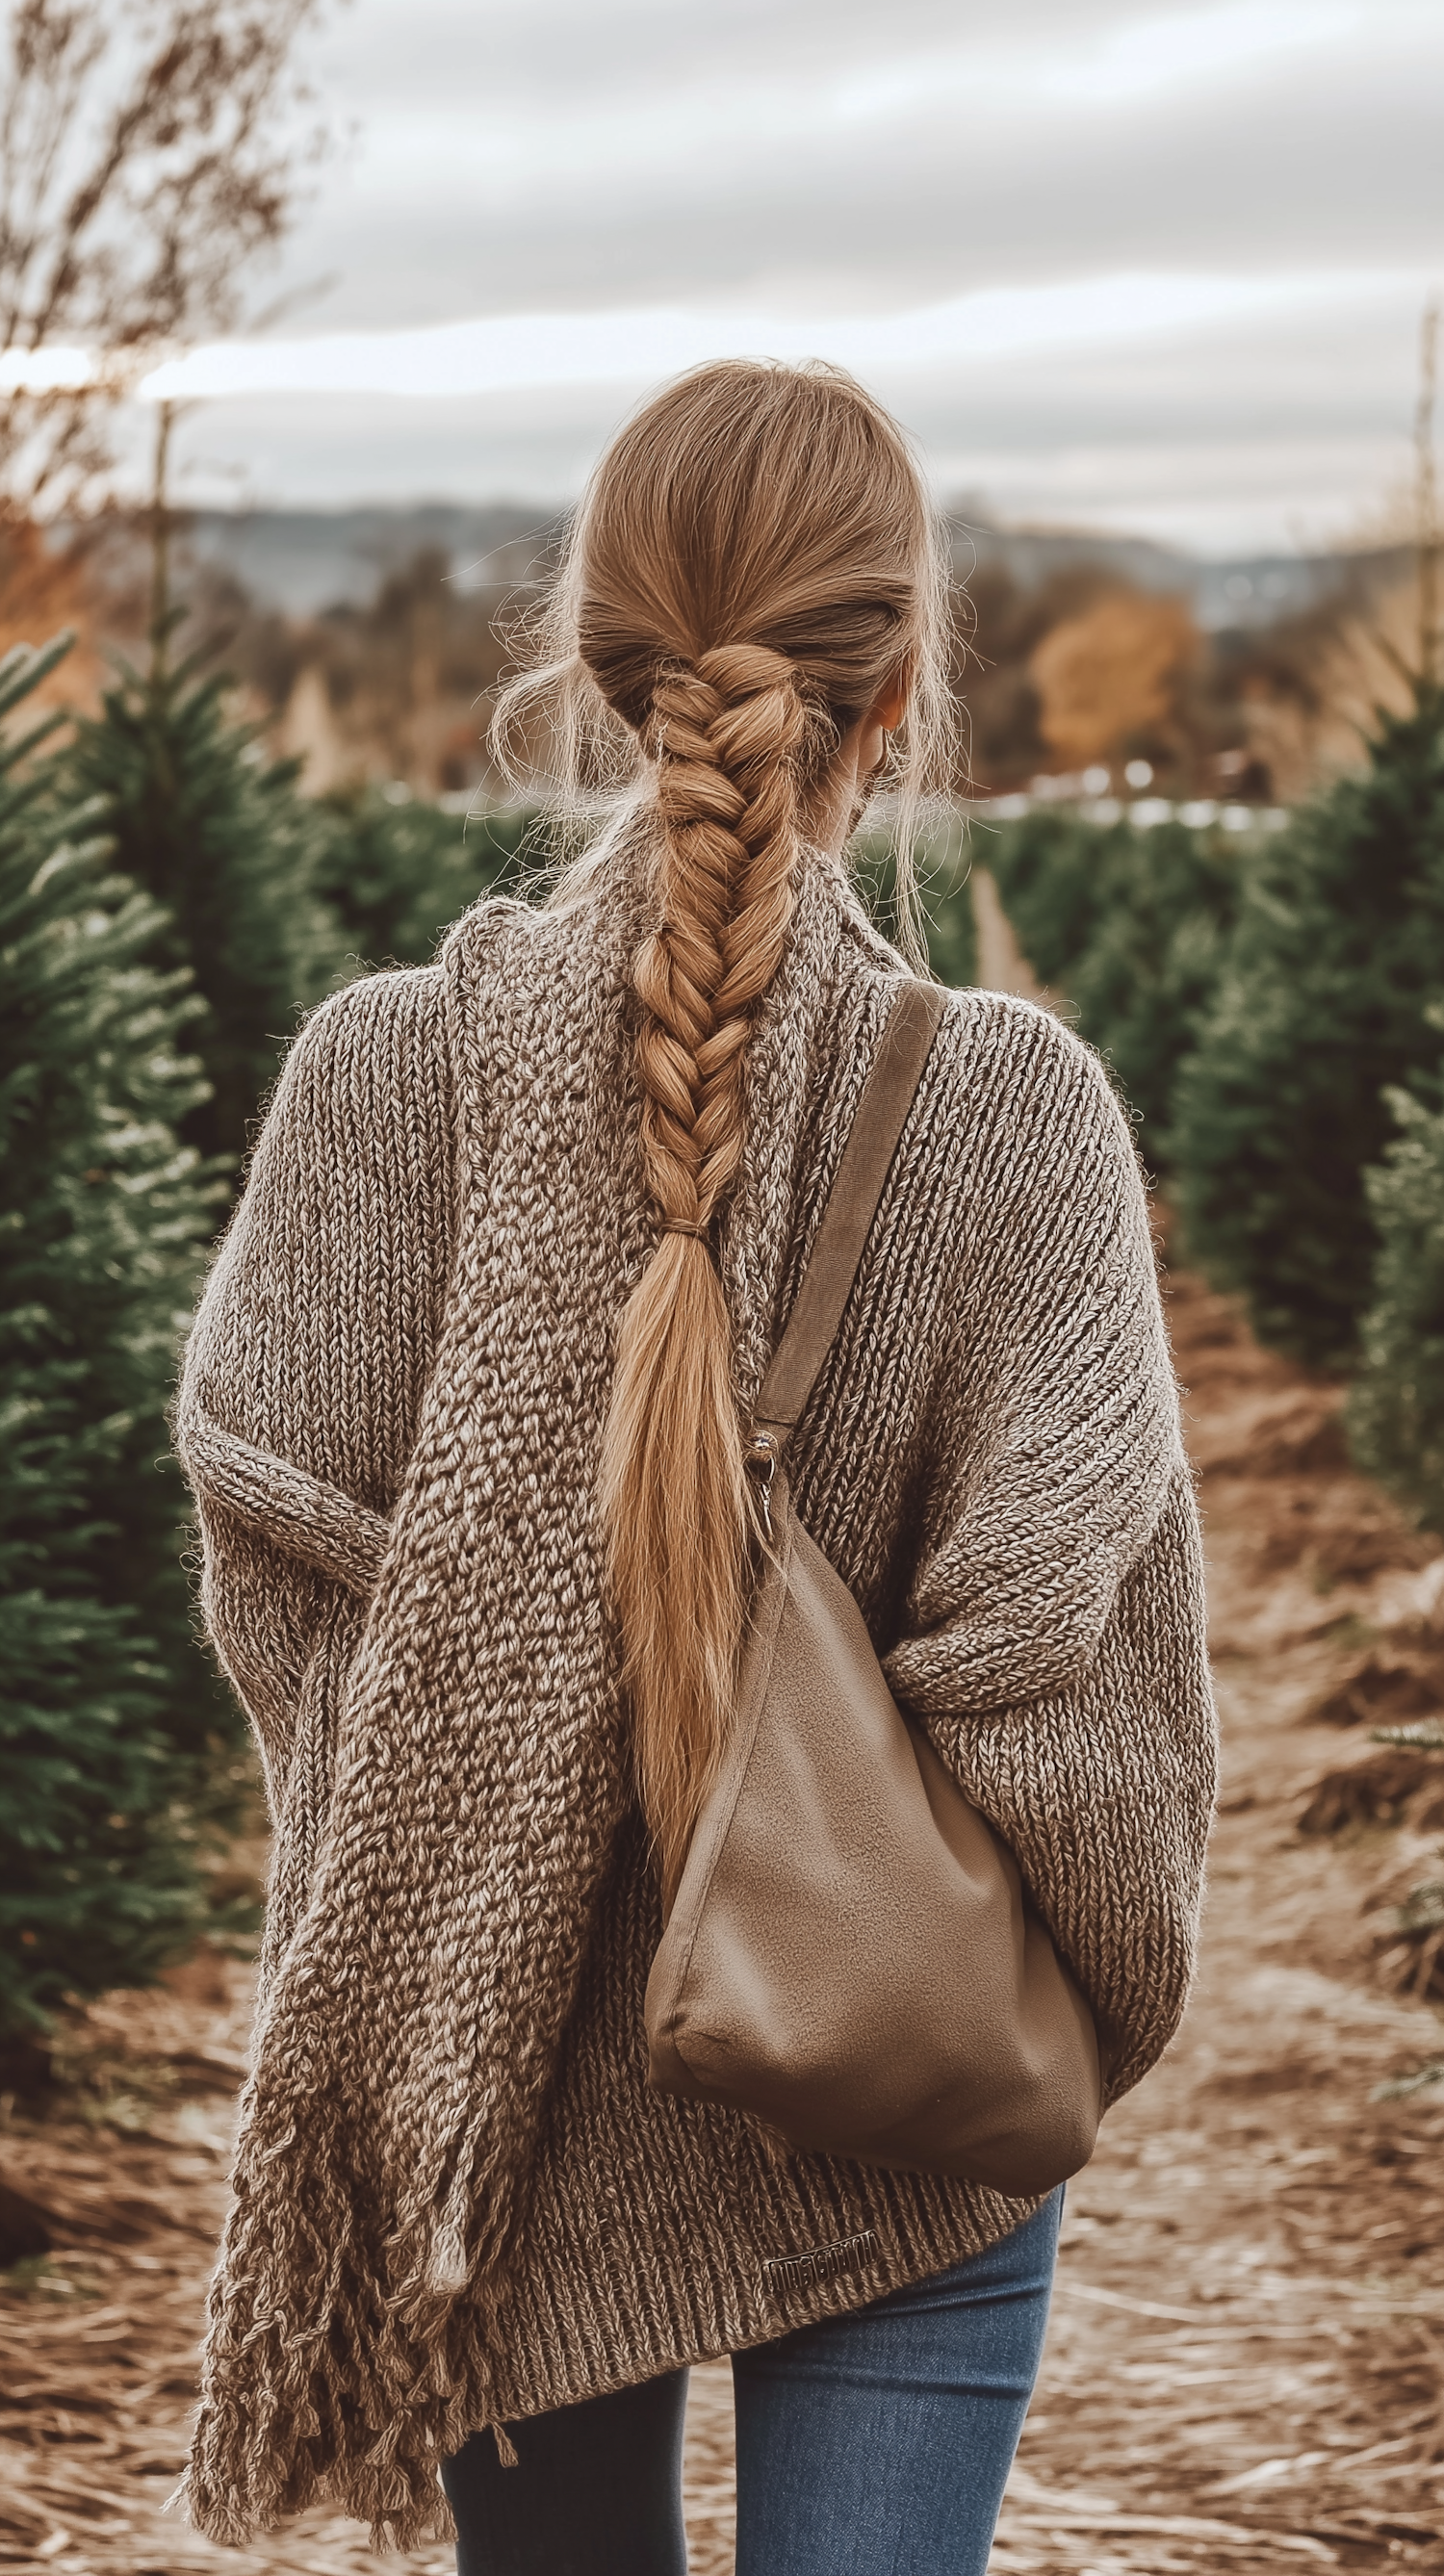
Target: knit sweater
point(456, 2200)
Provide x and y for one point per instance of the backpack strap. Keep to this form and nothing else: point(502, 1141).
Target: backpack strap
point(882, 1114)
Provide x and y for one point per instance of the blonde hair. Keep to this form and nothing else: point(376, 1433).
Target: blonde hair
point(754, 561)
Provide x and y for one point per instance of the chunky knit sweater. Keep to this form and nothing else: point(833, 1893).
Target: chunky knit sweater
point(456, 2201)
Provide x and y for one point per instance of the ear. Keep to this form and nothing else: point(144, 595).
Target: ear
point(891, 706)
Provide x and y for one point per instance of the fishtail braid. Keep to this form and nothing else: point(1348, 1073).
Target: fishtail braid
point(730, 735)
point(727, 736)
point(754, 574)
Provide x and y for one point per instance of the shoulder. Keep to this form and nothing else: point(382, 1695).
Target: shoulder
point(1020, 1048)
point(513, 967)
point(1013, 1075)
point(1020, 1139)
point(373, 1058)
point(996, 1057)
point(492, 927)
point(397, 1007)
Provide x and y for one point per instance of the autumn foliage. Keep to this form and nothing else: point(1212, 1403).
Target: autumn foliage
point(1106, 679)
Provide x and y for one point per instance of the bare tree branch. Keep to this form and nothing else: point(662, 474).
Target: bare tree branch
point(150, 151)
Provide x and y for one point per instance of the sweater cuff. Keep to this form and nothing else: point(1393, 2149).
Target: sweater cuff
point(297, 1512)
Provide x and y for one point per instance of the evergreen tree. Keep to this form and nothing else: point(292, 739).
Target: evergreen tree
point(946, 897)
point(1323, 1002)
point(1396, 1407)
point(393, 877)
point(1130, 928)
point(951, 931)
point(1054, 874)
point(120, 1751)
point(218, 835)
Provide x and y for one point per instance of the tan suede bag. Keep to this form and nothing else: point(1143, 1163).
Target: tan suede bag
point(851, 1955)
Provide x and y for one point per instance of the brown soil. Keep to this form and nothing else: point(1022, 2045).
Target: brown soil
point(1245, 2369)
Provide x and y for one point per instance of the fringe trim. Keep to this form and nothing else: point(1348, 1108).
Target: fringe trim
point(324, 2381)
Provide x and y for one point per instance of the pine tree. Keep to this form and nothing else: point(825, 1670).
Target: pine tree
point(1130, 928)
point(393, 877)
point(952, 934)
point(945, 895)
point(1055, 876)
point(219, 836)
point(120, 1751)
point(1396, 1407)
point(1322, 1004)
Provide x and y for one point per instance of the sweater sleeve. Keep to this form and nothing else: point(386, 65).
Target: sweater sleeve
point(308, 1358)
point(1054, 1639)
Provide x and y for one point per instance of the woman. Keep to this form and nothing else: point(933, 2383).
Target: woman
point(464, 1410)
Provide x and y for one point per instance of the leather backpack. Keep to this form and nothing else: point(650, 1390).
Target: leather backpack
point(851, 1955)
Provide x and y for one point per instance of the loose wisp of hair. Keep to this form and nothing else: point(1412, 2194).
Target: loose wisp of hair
point(754, 564)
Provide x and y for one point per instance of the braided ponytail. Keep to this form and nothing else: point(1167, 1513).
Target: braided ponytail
point(673, 1482)
point(754, 563)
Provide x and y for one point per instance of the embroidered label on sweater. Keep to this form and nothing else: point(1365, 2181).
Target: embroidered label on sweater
point(799, 2271)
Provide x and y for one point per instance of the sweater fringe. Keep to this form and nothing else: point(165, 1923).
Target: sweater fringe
point(326, 2380)
point(367, 2435)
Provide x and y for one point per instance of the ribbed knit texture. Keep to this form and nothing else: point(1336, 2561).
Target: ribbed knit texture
point(456, 2200)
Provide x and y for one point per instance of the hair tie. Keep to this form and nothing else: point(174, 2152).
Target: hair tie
point(684, 1225)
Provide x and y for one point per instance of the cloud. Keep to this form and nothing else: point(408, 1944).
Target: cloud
point(610, 155)
point(1088, 247)
point(509, 352)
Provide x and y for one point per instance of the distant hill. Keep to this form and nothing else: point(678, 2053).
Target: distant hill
point(1244, 590)
point(302, 561)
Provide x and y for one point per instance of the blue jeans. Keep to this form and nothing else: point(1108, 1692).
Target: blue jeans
point(874, 2444)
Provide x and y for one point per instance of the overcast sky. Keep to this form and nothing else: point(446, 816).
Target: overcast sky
point(1155, 268)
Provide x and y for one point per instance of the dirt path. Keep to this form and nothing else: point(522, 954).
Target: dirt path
point(1245, 2369)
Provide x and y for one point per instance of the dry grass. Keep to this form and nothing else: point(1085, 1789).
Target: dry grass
point(1245, 2369)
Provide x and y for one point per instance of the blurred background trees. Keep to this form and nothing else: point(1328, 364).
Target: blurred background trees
point(122, 1756)
point(1321, 1003)
point(147, 154)
point(1133, 926)
point(211, 827)
point(1396, 1409)
point(1272, 1009)
point(1109, 680)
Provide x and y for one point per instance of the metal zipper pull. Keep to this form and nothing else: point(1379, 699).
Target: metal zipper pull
point(762, 1465)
